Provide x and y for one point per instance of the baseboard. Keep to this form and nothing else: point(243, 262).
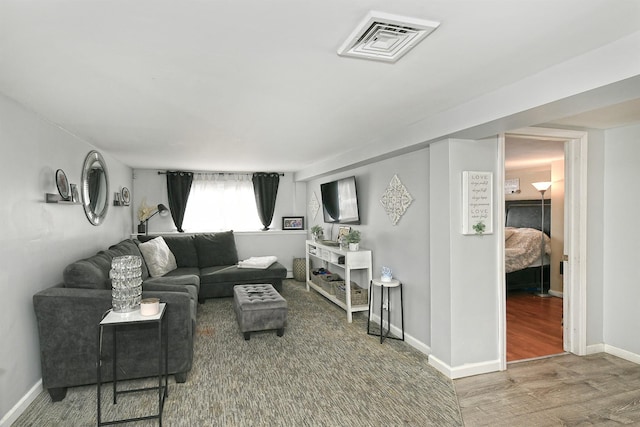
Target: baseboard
point(623, 354)
point(595, 348)
point(22, 405)
point(412, 341)
point(466, 370)
point(555, 293)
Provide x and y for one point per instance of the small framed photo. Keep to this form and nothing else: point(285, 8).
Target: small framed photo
point(343, 230)
point(293, 223)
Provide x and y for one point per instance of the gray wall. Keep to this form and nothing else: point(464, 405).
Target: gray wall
point(621, 297)
point(403, 247)
point(464, 268)
point(38, 239)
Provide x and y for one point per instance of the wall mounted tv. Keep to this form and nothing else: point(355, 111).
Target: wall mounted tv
point(340, 201)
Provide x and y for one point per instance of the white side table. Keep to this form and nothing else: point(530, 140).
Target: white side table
point(120, 320)
point(393, 283)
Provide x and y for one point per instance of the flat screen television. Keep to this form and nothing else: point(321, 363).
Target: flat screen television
point(340, 201)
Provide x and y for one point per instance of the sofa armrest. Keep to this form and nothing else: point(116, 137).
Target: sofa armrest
point(68, 319)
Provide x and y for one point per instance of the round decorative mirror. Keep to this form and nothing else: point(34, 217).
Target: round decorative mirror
point(95, 188)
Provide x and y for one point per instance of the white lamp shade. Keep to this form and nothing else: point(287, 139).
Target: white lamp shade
point(541, 186)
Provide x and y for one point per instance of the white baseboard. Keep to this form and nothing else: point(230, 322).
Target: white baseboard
point(555, 293)
point(22, 405)
point(412, 341)
point(623, 354)
point(595, 348)
point(466, 370)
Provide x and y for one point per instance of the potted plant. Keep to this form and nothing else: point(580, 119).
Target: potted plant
point(353, 238)
point(317, 232)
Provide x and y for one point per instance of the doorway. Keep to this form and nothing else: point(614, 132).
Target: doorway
point(534, 244)
point(567, 321)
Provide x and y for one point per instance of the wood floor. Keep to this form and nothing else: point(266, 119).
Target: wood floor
point(565, 390)
point(534, 326)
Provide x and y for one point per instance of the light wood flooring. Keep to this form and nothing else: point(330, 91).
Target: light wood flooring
point(565, 390)
point(534, 326)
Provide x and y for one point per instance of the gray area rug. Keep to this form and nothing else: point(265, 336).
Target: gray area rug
point(322, 372)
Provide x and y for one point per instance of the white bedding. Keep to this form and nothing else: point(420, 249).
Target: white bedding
point(522, 248)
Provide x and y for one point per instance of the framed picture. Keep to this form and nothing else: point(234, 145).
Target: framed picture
point(293, 223)
point(343, 230)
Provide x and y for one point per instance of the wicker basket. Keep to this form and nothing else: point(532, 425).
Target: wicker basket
point(326, 281)
point(359, 296)
point(299, 269)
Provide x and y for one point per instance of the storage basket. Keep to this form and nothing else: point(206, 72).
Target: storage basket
point(299, 269)
point(359, 296)
point(325, 281)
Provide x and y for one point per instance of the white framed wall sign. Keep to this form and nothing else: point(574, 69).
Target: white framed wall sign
point(477, 202)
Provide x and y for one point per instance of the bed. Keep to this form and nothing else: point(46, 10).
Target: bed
point(523, 245)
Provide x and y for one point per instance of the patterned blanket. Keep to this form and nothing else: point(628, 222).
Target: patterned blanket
point(522, 247)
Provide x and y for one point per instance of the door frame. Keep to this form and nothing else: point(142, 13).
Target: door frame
point(575, 244)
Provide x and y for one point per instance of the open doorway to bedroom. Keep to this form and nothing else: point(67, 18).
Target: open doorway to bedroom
point(534, 246)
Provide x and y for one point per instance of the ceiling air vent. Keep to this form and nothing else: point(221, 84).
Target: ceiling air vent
point(385, 37)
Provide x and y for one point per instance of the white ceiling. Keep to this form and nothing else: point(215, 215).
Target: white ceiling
point(255, 85)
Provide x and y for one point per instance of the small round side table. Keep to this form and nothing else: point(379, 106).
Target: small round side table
point(393, 283)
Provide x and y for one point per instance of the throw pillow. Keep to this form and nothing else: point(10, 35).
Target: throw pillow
point(216, 249)
point(159, 258)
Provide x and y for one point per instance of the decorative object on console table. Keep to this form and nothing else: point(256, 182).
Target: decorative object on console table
point(542, 187)
point(317, 233)
point(126, 283)
point(293, 223)
point(353, 239)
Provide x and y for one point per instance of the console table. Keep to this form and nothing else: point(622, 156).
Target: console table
point(121, 320)
point(345, 260)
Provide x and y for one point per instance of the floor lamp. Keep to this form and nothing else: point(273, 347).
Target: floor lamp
point(542, 187)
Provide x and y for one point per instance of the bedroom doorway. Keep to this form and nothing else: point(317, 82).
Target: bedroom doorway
point(534, 244)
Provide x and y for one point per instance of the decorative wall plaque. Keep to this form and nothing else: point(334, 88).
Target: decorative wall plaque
point(477, 202)
point(396, 200)
point(314, 205)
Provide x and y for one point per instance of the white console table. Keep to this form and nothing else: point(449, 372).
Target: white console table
point(330, 256)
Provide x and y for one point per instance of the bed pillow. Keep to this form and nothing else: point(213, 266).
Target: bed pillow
point(159, 258)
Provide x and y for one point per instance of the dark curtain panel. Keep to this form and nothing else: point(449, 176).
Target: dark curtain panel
point(265, 188)
point(178, 189)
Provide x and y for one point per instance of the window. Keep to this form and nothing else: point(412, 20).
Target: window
point(219, 202)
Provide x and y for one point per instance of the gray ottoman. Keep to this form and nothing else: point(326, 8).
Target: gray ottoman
point(259, 308)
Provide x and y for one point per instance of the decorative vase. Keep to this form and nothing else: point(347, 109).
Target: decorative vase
point(126, 283)
point(142, 228)
point(354, 246)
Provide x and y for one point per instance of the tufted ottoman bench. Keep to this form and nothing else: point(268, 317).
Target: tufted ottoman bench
point(259, 308)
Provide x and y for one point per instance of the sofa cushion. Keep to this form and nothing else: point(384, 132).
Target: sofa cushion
point(159, 258)
point(87, 274)
point(216, 249)
point(184, 249)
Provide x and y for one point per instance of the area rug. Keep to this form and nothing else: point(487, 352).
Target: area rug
point(322, 372)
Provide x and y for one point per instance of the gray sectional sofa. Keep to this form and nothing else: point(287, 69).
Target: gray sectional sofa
point(68, 314)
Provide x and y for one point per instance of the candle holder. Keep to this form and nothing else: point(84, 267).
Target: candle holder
point(126, 283)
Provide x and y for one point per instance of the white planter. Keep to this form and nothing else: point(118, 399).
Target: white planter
point(354, 246)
